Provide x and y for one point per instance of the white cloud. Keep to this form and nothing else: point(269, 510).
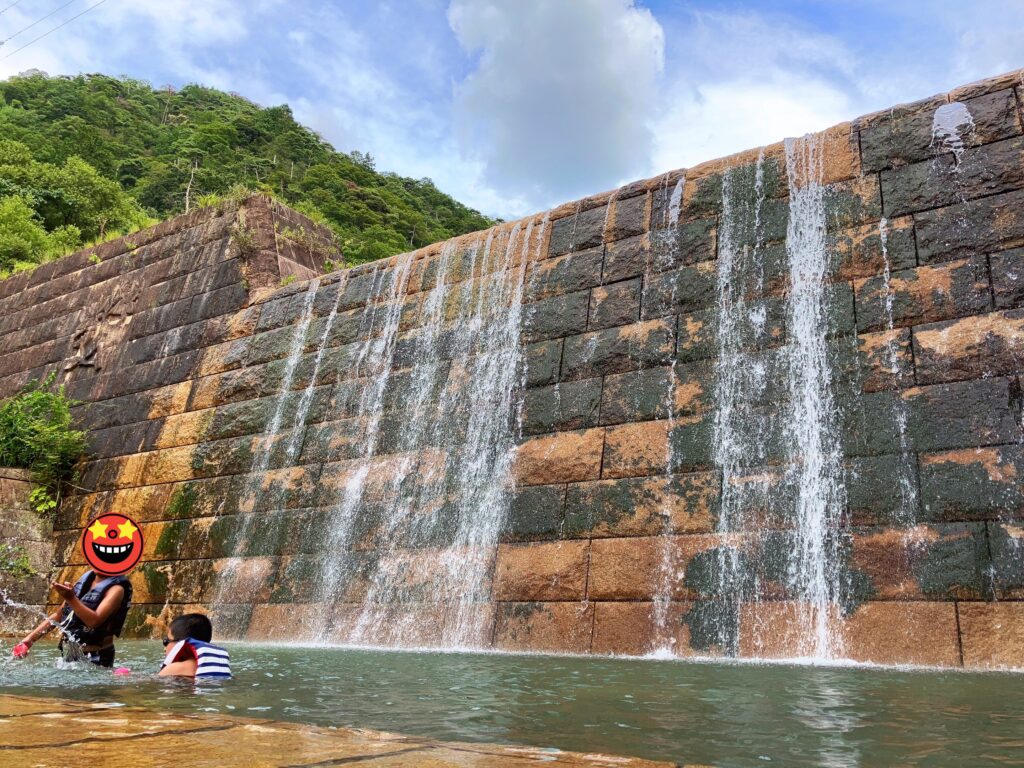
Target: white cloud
point(719, 119)
point(555, 106)
point(744, 80)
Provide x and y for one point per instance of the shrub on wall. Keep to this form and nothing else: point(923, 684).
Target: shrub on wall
point(37, 433)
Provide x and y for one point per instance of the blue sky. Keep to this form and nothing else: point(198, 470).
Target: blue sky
point(513, 106)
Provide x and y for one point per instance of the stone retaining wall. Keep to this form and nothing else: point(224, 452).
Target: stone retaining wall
point(25, 539)
point(181, 366)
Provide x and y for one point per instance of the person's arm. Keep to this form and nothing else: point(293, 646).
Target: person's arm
point(92, 619)
point(185, 662)
point(41, 629)
point(185, 668)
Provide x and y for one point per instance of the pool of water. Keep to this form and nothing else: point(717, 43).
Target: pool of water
point(715, 714)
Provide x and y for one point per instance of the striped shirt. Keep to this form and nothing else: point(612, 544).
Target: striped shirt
point(212, 661)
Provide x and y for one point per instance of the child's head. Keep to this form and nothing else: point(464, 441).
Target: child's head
point(194, 625)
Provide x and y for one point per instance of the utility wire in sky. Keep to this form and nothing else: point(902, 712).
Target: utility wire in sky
point(50, 32)
point(37, 21)
point(5, 10)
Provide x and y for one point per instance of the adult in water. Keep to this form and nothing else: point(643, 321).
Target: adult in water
point(95, 607)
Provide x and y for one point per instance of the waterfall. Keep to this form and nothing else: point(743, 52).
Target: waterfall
point(816, 460)
point(227, 580)
point(668, 567)
point(378, 332)
point(441, 499)
point(738, 441)
point(302, 411)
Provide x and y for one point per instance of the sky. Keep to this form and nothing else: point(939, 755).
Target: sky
point(514, 106)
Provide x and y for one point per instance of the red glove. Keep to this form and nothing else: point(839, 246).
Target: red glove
point(20, 651)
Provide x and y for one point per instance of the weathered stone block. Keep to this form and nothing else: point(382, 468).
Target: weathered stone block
point(541, 571)
point(633, 629)
point(626, 568)
point(1008, 278)
point(692, 443)
point(639, 449)
point(626, 218)
point(973, 483)
point(898, 136)
point(577, 232)
point(689, 242)
point(972, 347)
point(627, 258)
point(984, 171)
point(557, 316)
point(543, 362)
point(616, 304)
point(683, 290)
point(923, 294)
point(941, 562)
point(885, 360)
point(938, 417)
point(564, 274)
point(1006, 548)
point(536, 512)
point(563, 457)
point(563, 627)
point(697, 335)
point(615, 350)
point(852, 202)
point(903, 633)
point(568, 405)
point(992, 634)
point(883, 490)
point(636, 395)
point(984, 225)
point(643, 506)
point(861, 251)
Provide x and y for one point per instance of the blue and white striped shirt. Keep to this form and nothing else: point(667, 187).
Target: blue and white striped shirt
point(212, 661)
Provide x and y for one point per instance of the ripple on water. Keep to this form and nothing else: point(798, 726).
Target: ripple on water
point(736, 714)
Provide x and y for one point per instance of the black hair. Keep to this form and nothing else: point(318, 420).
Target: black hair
point(194, 625)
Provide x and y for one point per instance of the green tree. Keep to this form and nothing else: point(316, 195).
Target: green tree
point(98, 153)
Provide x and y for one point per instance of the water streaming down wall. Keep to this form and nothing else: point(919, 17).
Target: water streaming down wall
point(742, 423)
point(813, 418)
point(235, 582)
point(730, 443)
point(447, 499)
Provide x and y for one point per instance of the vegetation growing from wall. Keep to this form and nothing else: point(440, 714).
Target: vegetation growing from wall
point(89, 154)
point(37, 433)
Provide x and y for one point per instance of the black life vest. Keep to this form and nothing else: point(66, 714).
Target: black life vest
point(90, 591)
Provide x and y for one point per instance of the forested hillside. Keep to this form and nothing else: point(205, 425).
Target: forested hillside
point(82, 158)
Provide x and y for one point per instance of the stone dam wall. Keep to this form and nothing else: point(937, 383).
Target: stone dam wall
point(660, 497)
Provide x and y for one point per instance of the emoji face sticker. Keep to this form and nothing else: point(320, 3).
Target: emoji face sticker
point(112, 544)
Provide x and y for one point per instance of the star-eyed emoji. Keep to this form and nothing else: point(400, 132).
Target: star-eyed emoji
point(112, 544)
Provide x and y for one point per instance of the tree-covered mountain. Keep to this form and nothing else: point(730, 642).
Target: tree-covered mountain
point(84, 157)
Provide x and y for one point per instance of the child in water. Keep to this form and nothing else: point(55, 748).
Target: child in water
point(92, 614)
point(191, 654)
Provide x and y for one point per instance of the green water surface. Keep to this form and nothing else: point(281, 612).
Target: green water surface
point(713, 714)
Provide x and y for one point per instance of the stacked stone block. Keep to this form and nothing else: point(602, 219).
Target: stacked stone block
point(615, 474)
point(25, 540)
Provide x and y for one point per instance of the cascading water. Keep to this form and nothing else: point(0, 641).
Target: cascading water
point(740, 380)
point(373, 366)
point(816, 457)
point(664, 257)
point(950, 123)
point(227, 581)
point(443, 529)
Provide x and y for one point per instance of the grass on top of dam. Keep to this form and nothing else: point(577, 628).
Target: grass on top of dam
point(695, 713)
